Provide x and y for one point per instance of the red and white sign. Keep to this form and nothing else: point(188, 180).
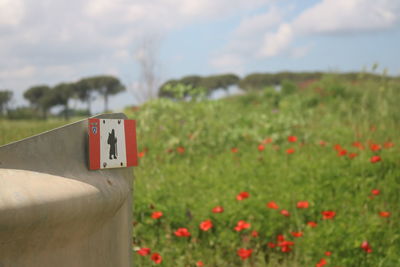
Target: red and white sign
point(112, 143)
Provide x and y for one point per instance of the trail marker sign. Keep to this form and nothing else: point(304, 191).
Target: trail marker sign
point(112, 143)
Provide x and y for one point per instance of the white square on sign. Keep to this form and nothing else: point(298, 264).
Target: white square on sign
point(112, 143)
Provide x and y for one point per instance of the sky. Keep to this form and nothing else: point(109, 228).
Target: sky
point(53, 41)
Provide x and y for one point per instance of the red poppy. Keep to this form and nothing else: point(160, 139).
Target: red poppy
point(321, 263)
point(234, 150)
point(286, 246)
point(280, 238)
point(375, 147)
point(322, 143)
point(366, 247)
point(271, 245)
point(312, 224)
point(353, 155)
point(141, 154)
point(328, 214)
point(302, 204)
point(384, 214)
point(254, 234)
point(199, 264)
point(242, 195)
point(328, 253)
point(156, 215)
point(375, 159)
point(342, 152)
point(358, 145)
point(241, 225)
point(285, 213)
point(218, 209)
point(337, 147)
point(180, 149)
point(292, 139)
point(261, 147)
point(244, 253)
point(156, 258)
point(272, 205)
point(290, 151)
point(297, 234)
point(182, 232)
point(375, 192)
point(388, 145)
point(143, 251)
point(206, 225)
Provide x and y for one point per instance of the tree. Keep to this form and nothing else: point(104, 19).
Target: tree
point(106, 86)
point(146, 55)
point(36, 96)
point(84, 90)
point(5, 97)
point(60, 95)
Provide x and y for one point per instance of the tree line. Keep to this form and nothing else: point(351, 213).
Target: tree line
point(189, 85)
point(43, 97)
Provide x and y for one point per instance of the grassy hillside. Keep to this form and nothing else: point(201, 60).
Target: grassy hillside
point(303, 177)
point(197, 156)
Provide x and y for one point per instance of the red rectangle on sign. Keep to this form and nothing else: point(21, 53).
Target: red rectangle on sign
point(94, 144)
point(130, 143)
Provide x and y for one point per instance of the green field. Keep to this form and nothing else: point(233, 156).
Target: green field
point(195, 156)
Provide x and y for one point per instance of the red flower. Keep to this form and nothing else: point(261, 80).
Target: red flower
point(358, 145)
point(321, 263)
point(384, 214)
point(292, 139)
point(242, 195)
point(297, 234)
point(206, 225)
point(388, 145)
point(156, 258)
point(353, 155)
point(322, 143)
point(261, 147)
point(302, 204)
point(180, 149)
point(254, 234)
point(218, 209)
point(156, 215)
point(182, 232)
point(244, 253)
point(375, 159)
point(234, 150)
point(375, 192)
point(328, 253)
point(342, 152)
point(312, 224)
point(280, 238)
point(241, 225)
point(271, 245)
point(366, 247)
point(290, 151)
point(285, 213)
point(285, 246)
point(199, 264)
point(143, 251)
point(141, 154)
point(328, 214)
point(272, 205)
point(337, 147)
point(375, 147)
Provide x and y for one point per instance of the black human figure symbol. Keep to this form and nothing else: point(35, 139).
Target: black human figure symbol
point(112, 141)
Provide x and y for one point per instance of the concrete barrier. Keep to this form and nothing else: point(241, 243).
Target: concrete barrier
point(54, 211)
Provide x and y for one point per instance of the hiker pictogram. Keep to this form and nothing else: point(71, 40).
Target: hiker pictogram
point(112, 141)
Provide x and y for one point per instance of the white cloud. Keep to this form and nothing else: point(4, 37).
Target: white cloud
point(276, 43)
point(11, 12)
point(228, 63)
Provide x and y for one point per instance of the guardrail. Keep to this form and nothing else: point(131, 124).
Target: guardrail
point(54, 211)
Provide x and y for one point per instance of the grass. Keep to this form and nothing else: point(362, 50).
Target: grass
point(198, 155)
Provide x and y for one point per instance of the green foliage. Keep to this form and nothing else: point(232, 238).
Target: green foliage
point(5, 97)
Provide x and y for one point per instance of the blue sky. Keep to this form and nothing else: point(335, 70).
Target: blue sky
point(47, 42)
